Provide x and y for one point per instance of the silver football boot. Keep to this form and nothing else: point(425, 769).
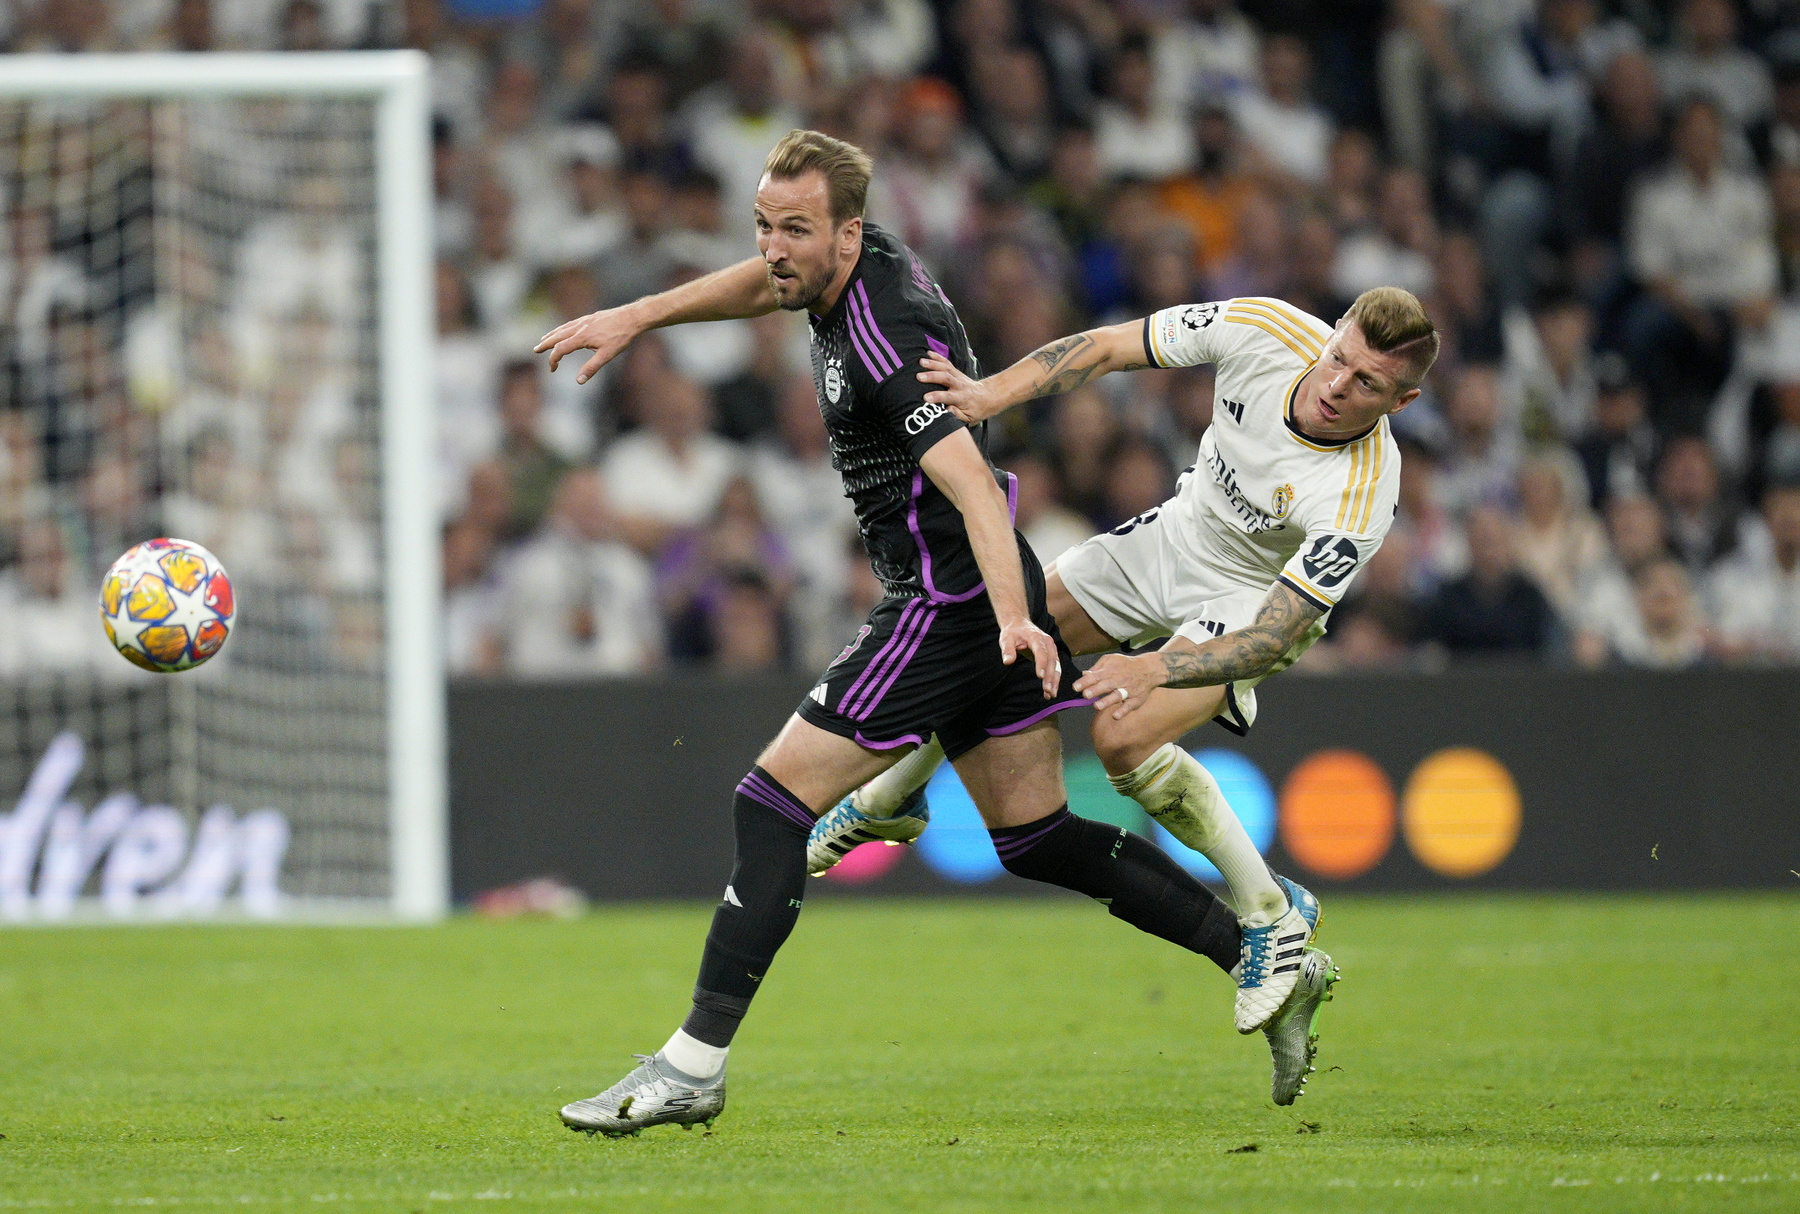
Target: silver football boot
point(654, 1094)
point(1293, 1031)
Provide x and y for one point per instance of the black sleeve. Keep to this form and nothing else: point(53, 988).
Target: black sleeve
point(889, 346)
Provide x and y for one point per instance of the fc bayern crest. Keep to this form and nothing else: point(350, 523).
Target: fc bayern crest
point(834, 380)
point(1282, 500)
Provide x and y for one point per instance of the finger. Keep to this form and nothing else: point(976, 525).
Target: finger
point(1007, 651)
point(935, 376)
point(591, 369)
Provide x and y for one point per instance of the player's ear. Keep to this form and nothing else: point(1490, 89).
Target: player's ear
point(850, 235)
point(1406, 398)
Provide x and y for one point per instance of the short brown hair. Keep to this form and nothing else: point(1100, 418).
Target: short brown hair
point(1393, 321)
point(846, 168)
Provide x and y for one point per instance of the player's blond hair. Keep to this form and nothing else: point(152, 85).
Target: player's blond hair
point(846, 168)
point(1393, 321)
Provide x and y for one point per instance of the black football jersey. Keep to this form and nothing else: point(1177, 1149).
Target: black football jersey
point(865, 358)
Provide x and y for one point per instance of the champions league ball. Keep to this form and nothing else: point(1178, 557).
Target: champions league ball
point(167, 605)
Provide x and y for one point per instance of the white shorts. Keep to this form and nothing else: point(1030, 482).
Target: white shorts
point(1137, 585)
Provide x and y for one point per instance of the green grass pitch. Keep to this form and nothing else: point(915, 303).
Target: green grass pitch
point(1496, 1053)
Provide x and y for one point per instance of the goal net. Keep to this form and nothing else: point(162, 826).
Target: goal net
point(217, 327)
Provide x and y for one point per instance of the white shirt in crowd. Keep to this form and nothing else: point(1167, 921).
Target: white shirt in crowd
point(568, 607)
point(1158, 145)
point(1714, 242)
point(1296, 138)
point(643, 476)
point(1757, 603)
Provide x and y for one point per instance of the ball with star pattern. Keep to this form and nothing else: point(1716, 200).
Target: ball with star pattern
point(167, 605)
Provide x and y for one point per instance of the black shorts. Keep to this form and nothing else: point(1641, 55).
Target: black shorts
point(920, 667)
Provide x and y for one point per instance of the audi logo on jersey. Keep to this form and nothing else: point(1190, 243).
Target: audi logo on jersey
point(923, 416)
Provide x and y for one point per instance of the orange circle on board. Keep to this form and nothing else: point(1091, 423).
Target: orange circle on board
point(1461, 812)
point(1337, 814)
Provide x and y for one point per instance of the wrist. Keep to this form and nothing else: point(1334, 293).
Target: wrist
point(1153, 663)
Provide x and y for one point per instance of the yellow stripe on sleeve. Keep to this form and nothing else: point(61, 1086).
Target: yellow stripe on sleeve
point(1266, 327)
point(1299, 318)
point(1374, 480)
point(1345, 508)
point(1297, 331)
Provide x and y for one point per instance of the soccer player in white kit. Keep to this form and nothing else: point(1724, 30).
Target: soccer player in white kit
point(1294, 489)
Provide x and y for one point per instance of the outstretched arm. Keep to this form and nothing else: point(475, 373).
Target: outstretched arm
point(1061, 366)
point(734, 293)
point(1247, 653)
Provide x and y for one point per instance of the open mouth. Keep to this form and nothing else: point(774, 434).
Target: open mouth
point(1331, 414)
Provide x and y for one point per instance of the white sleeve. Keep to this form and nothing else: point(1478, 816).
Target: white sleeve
point(1344, 531)
point(1187, 336)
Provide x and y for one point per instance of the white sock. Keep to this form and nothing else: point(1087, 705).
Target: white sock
point(880, 797)
point(1182, 795)
point(691, 1056)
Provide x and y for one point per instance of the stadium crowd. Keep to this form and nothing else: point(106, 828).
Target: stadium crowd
point(1599, 200)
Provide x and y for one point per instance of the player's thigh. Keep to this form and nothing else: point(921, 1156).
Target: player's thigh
point(1079, 632)
point(820, 767)
point(1168, 713)
point(1017, 778)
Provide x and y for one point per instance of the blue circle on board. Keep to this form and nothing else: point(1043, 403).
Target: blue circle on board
point(1248, 793)
point(956, 846)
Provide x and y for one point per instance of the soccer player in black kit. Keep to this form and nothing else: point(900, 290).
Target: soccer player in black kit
point(965, 597)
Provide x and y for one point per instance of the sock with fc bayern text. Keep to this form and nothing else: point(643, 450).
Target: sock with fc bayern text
point(759, 909)
point(1136, 879)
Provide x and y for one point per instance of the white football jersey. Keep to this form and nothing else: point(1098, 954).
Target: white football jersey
point(1264, 502)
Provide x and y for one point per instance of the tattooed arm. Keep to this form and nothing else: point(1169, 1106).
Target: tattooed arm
point(1247, 653)
point(1061, 366)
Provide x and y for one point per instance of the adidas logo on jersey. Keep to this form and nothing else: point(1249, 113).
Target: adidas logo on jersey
point(818, 696)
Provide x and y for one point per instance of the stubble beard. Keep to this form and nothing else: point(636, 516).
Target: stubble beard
point(799, 293)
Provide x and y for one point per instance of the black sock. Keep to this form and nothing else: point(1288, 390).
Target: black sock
point(761, 905)
point(1137, 880)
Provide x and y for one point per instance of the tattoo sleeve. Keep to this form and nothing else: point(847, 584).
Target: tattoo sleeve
point(1070, 363)
point(1282, 619)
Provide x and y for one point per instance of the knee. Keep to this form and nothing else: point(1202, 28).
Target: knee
point(1122, 746)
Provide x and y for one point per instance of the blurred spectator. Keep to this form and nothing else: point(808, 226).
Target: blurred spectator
point(1137, 133)
point(640, 263)
point(573, 600)
point(1280, 120)
point(1434, 540)
point(1700, 242)
point(569, 423)
point(1549, 369)
point(1559, 543)
point(1482, 461)
point(1777, 141)
point(1702, 521)
point(746, 626)
point(686, 41)
point(1707, 61)
point(1014, 110)
point(1606, 615)
point(1465, 312)
point(1494, 608)
point(565, 49)
point(50, 624)
point(803, 498)
point(702, 574)
point(1619, 450)
point(928, 188)
point(469, 599)
point(668, 475)
point(453, 222)
point(468, 384)
point(733, 124)
point(530, 468)
point(637, 98)
point(1048, 526)
point(1539, 77)
point(1208, 53)
point(1258, 263)
point(1137, 479)
point(1625, 143)
point(1781, 456)
point(499, 277)
point(1757, 597)
point(586, 219)
point(1375, 625)
point(1085, 434)
point(1397, 251)
point(1210, 199)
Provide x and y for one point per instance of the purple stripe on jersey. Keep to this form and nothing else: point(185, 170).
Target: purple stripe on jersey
point(912, 525)
point(902, 740)
point(1012, 499)
point(860, 320)
point(1008, 849)
point(937, 347)
point(903, 635)
point(764, 793)
point(868, 710)
point(869, 314)
point(856, 340)
point(894, 641)
point(1035, 717)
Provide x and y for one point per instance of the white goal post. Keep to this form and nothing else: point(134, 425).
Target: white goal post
point(396, 85)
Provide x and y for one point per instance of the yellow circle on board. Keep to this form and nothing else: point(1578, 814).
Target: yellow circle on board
point(1460, 812)
point(1337, 814)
